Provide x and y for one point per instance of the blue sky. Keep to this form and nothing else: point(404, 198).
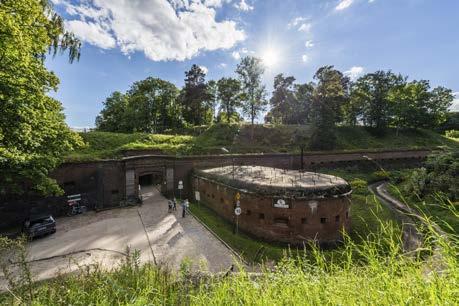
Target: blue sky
point(127, 41)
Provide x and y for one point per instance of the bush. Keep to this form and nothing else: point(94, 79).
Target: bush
point(381, 175)
point(452, 133)
point(359, 186)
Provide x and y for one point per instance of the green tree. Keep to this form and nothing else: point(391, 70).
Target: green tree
point(370, 98)
point(196, 98)
point(283, 101)
point(250, 71)
point(330, 94)
point(303, 99)
point(33, 134)
point(152, 106)
point(112, 117)
point(230, 96)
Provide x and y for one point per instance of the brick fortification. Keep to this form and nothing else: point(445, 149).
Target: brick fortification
point(278, 205)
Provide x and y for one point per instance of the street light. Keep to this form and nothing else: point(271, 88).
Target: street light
point(232, 158)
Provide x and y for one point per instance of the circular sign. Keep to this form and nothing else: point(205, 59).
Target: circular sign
point(237, 211)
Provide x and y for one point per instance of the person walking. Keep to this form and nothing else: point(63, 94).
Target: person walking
point(174, 205)
point(169, 205)
point(185, 206)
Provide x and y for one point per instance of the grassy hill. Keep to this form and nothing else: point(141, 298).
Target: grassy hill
point(238, 139)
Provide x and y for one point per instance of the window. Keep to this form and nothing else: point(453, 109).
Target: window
point(281, 221)
point(261, 216)
point(248, 213)
point(213, 196)
point(337, 218)
point(323, 220)
point(304, 221)
point(221, 200)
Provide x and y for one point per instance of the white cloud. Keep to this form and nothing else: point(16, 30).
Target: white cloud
point(243, 6)
point(309, 44)
point(222, 65)
point(455, 106)
point(161, 29)
point(355, 72)
point(305, 27)
point(236, 55)
point(305, 58)
point(204, 69)
point(92, 32)
point(300, 23)
point(296, 21)
point(344, 4)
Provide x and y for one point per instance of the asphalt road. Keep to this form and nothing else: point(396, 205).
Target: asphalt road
point(161, 237)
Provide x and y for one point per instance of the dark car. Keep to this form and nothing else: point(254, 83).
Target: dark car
point(39, 226)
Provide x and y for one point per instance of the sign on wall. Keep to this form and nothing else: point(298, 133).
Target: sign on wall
point(281, 203)
point(197, 196)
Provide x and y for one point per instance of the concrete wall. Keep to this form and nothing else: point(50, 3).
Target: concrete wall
point(319, 219)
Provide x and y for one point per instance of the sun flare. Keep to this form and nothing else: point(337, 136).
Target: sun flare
point(270, 58)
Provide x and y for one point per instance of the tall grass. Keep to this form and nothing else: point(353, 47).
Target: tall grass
point(375, 271)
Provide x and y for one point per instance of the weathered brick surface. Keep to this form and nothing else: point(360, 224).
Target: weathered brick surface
point(321, 219)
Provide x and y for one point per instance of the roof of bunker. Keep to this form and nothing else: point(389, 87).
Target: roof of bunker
point(278, 182)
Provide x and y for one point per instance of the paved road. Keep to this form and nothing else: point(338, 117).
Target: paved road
point(162, 237)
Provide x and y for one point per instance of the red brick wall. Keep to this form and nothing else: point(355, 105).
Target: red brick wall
point(289, 225)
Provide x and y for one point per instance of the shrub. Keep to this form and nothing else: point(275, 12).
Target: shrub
point(359, 186)
point(381, 175)
point(452, 133)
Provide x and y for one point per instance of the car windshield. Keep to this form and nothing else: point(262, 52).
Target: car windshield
point(41, 221)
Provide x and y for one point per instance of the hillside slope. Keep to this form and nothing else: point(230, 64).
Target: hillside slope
point(238, 139)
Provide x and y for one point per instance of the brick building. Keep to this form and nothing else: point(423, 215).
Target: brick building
point(278, 205)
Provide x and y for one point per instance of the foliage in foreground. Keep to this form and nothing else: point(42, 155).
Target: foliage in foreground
point(33, 134)
point(375, 271)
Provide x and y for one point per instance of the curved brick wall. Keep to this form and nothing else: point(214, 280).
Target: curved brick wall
point(322, 219)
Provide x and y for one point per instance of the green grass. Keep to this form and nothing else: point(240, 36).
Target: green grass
point(250, 249)
point(238, 139)
point(375, 271)
point(442, 214)
point(367, 217)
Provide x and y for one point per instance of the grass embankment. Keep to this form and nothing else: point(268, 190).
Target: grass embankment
point(238, 139)
point(373, 272)
point(367, 216)
point(436, 207)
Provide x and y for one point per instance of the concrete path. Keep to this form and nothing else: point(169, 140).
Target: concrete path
point(161, 237)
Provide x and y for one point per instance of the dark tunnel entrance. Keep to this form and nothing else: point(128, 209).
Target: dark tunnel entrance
point(151, 179)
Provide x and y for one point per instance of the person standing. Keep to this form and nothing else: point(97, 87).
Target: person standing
point(174, 204)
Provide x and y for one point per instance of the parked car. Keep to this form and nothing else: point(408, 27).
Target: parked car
point(39, 226)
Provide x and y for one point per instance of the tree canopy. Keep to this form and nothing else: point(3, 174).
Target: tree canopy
point(33, 134)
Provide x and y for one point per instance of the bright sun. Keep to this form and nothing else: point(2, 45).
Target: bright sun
point(270, 58)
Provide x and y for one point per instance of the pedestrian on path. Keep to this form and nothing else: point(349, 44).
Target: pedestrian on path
point(185, 208)
point(169, 205)
point(174, 204)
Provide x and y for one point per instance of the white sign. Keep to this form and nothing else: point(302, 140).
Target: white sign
point(237, 211)
point(197, 196)
point(180, 185)
point(238, 203)
point(281, 204)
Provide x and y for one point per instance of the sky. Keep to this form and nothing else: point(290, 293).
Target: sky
point(129, 40)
